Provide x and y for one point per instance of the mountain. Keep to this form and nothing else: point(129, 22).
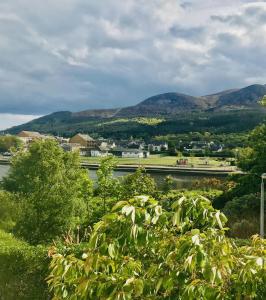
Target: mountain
point(165, 104)
point(175, 112)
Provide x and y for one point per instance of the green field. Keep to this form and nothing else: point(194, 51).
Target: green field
point(160, 160)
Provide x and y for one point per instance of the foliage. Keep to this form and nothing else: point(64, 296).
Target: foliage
point(215, 122)
point(167, 199)
point(210, 183)
point(23, 269)
point(8, 211)
point(141, 251)
point(96, 208)
point(263, 101)
point(168, 184)
point(138, 183)
point(243, 215)
point(252, 160)
point(107, 185)
point(243, 207)
point(51, 190)
point(8, 142)
point(140, 120)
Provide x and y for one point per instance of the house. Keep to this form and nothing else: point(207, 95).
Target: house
point(70, 147)
point(130, 153)
point(136, 145)
point(158, 146)
point(28, 136)
point(84, 140)
point(99, 151)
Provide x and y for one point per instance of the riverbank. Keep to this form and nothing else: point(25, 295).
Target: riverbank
point(182, 170)
point(218, 171)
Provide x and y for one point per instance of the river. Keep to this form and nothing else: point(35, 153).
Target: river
point(181, 181)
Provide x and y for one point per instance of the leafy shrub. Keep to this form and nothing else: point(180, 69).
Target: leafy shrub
point(209, 183)
point(243, 215)
point(141, 251)
point(244, 228)
point(23, 270)
point(166, 200)
point(243, 207)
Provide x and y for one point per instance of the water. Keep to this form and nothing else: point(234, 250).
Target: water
point(180, 181)
point(3, 171)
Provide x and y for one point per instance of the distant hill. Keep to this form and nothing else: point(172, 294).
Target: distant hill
point(171, 108)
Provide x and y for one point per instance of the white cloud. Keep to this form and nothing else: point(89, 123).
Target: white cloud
point(9, 120)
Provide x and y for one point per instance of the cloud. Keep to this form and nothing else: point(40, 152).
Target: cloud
point(81, 54)
point(9, 120)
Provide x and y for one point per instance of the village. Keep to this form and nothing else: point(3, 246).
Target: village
point(133, 148)
point(136, 151)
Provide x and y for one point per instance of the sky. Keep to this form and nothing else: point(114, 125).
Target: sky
point(85, 54)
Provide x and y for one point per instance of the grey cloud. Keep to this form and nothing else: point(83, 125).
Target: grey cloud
point(81, 54)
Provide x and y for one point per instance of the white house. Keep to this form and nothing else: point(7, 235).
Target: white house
point(130, 153)
point(158, 146)
point(100, 151)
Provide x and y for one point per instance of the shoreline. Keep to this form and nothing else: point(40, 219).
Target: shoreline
point(170, 170)
point(221, 172)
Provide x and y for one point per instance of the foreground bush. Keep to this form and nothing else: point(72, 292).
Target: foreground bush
point(141, 251)
point(23, 270)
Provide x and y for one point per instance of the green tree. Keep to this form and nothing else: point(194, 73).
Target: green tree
point(8, 211)
point(51, 189)
point(8, 142)
point(252, 160)
point(138, 183)
point(139, 251)
point(107, 185)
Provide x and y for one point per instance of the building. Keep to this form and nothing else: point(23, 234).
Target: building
point(130, 153)
point(28, 136)
point(83, 140)
point(70, 147)
point(158, 146)
point(99, 151)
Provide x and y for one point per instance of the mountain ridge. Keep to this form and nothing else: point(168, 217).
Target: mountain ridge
point(168, 106)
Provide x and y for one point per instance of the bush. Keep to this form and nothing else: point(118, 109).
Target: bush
point(244, 228)
point(243, 215)
point(140, 251)
point(23, 270)
point(166, 200)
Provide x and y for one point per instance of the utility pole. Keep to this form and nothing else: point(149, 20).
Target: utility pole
point(263, 176)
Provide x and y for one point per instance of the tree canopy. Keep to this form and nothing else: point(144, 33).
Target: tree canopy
point(51, 190)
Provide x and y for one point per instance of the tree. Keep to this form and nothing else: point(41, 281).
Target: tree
point(140, 251)
point(51, 190)
point(252, 160)
point(138, 183)
point(107, 185)
point(243, 214)
point(7, 142)
point(8, 211)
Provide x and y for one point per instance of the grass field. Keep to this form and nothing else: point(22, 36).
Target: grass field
point(162, 161)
